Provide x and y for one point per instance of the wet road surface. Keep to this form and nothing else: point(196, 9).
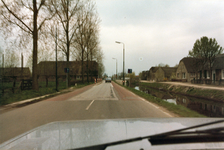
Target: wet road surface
point(101, 101)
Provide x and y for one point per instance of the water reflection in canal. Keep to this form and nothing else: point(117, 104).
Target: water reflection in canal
point(203, 106)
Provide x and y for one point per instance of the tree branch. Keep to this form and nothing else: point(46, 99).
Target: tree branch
point(44, 21)
point(16, 24)
point(16, 16)
point(41, 3)
point(28, 7)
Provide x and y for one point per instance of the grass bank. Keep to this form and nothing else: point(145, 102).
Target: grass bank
point(216, 95)
point(177, 109)
point(10, 97)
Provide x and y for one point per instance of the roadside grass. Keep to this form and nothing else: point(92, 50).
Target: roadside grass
point(177, 109)
point(10, 97)
point(216, 95)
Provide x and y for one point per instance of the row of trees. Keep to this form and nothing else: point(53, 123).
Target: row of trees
point(75, 23)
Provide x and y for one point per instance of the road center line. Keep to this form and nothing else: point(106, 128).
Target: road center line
point(89, 105)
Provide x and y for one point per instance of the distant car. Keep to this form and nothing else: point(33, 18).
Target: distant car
point(108, 80)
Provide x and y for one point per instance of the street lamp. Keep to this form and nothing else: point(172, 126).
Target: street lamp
point(3, 68)
point(123, 58)
point(116, 66)
point(56, 62)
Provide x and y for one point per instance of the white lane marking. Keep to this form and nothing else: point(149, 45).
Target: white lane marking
point(156, 107)
point(149, 103)
point(112, 90)
point(111, 85)
point(89, 105)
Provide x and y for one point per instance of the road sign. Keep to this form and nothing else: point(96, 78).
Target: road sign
point(129, 70)
point(66, 70)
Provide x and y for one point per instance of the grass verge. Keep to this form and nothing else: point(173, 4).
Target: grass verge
point(177, 109)
point(10, 97)
point(216, 95)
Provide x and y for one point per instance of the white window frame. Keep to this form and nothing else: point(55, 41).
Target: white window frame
point(208, 75)
point(183, 75)
point(222, 73)
point(192, 74)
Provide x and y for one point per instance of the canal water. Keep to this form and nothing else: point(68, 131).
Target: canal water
point(206, 107)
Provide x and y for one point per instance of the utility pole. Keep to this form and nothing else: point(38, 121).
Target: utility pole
point(56, 62)
point(123, 58)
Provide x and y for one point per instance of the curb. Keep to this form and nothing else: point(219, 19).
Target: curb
point(36, 99)
point(26, 102)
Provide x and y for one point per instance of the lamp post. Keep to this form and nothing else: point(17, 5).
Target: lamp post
point(3, 68)
point(116, 67)
point(56, 62)
point(123, 58)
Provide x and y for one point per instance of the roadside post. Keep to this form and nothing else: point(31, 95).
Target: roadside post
point(129, 72)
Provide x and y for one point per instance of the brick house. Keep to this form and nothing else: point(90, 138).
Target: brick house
point(189, 69)
point(16, 73)
point(186, 70)
point(218, 68)
point(47, 69)
point(144, 75)
point(165, 73)
point(152, 72)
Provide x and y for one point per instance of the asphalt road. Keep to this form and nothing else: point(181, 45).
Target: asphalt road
point(101, 101)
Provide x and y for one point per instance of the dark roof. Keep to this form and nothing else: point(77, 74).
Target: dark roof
point(220, 55)
point(15, 72)
point(153, 69)
point(190, 63)
point(219, 62)
point(48, 67)
point(169, 70)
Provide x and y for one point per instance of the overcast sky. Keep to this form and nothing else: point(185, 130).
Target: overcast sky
point(155, 31)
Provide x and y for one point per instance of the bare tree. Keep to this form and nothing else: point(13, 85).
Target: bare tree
point(99, 58)
point(27, 17)
point(86, 40)
point(12, 59)
point(66, 11)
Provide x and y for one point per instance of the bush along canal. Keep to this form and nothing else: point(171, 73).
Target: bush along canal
point(198, 100)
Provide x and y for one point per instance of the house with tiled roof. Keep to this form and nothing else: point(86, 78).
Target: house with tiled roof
point(190, 69)
point(144, 75)
point(152, 72)
point(47, 69)
point(218, 68)
point(165, 73)
point(16, 72)
point(187, 69)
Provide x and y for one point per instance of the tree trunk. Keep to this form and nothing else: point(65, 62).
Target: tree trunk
point(91, 65)
point(87, 67)
point(68, 43)
point(82, 66)
point(46, 81)
point(35, 39)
